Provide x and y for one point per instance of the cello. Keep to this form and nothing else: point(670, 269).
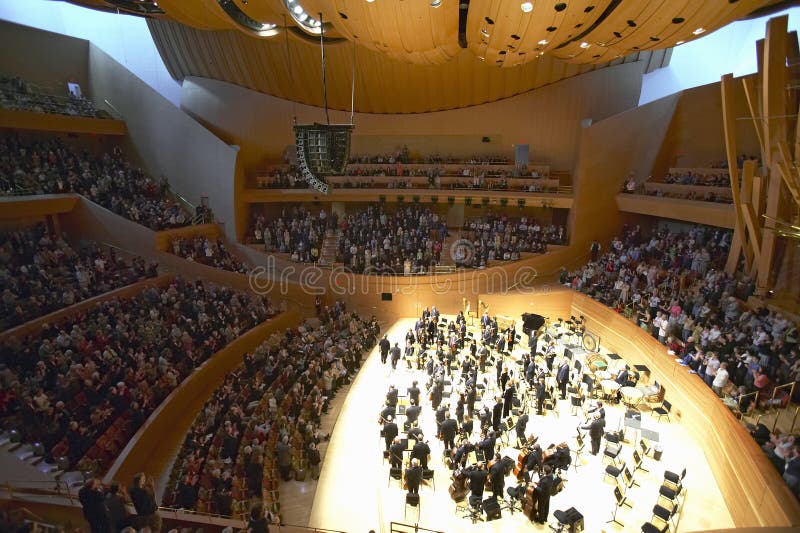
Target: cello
point(529, 501)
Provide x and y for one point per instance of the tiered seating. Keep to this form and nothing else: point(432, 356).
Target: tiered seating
point(407, 241)
point(504, 238)
point(297, 232)
point(50, 166)
point(282, 389)
point(209, 252)
point(19, 95)
point(82, 387)
point(704, 184)
point(40, 273)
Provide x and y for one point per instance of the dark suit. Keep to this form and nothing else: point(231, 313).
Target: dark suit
point(487, 445)
point(413, 393)
point(542, 493)
point(522, 423)
point(421, 451)
point(391, 397)
point(448, 431)
point(412, 413)
point(498, 479)
point(389, 433)
point(596, 433)
point(508, 400)
point(622, 378)
point(396, 454)
point(94, 509)
point(497, 415)
point(413, 479)
point(540, 394)
point(477, 481)
point(563, 378)
point(384, 346)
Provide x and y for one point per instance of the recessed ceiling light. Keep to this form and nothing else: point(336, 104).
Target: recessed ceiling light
point(526, 7)
point(551, 28)
point(679, 43)
point(584, 44)
point(482, 58)
point(302, 17)
point(618, 35)
point(655, 38)
point(543, 42)
point(370, 1)
point(632, 23)
point(678, 20)
point(515, 36)
point(698, 31)
point(600, 43)
point(488, 20)
point(436, 3)
point(298, 10)
point(485, 32)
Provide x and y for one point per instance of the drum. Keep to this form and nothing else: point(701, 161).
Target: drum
point(596, 362)
point(610, 387)
point(603, 375)
point(631, 396)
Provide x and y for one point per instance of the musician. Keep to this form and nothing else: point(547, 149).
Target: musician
point(389, 431)
point(460, 455)
point(522, 423)
point(396, 453)
point(386, 412)
point(497, 414)
point(467, 425)
point(415, 433)
point(395, 352)
point(384, 346)
point(533, 340)
point(501, 344)
point(436, 393)
point(599, 409)
point(413, 477)
point(542, 493)
point(421, 452)
point(562, 378)
point(471, 397)
point(487, 443)
point(428, 365)
point(408, 354)
point(391, 396)
point(413, 392)
point(440, 416)
point(485, 417)
point(512, 337)
point(541, 393)
point(477, 481)
point(550, 355)
point(508, 398)
point(483, 357)
point(412, 412)
point(623, 376)
point(410, 337)
point(530, 370)
point(595, 428)
point(448, 431)
point(533, 462)
point(497, 476)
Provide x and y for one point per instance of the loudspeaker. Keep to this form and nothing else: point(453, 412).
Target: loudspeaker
point(386, 296)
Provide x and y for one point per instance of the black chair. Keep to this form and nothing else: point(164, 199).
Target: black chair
point(614, 471)
point(612, 449)
point(671, 494)
point(647, 527)
point(637, 462)
point(620, 500)
point(412, 500)
point(663, 410)
point(475, 510)
point(662, 514)
point(427, 475)
point(674, 480)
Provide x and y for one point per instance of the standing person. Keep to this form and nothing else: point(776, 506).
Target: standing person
point(390, 431)
point(395, 351)
point(117, 514)
point(595, 428)
point(497, 475)
point(563, 378)
point(594, 249)
point(497, 414)
point(94, 506)
point(508, 398)
point(542, 492)
point(142, 495)
point(413, 476)
point(257, 522)
point(448, 431)
point(284, 452)
point(384, 346)
point(314, 459)
point(721, 379)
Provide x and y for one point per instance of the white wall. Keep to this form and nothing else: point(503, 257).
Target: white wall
point(124, 37)
point(731, 49)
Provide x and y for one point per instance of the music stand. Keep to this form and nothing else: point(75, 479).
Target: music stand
point(650, 435)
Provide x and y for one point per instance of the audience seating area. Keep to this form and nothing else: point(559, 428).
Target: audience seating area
point(673, 286)
point(41, 273)
point(297, 232)
point(50, 166)
point(407, 241)
point(83, 386)
point(206, 251)
point(274, 400)
point(17, 94)
point(502, 238)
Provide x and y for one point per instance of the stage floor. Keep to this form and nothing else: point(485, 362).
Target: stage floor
point(354, 493)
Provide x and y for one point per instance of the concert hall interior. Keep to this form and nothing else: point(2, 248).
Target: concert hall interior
point(395, 266)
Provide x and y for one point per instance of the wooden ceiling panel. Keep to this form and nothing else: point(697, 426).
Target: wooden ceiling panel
point(408, 54)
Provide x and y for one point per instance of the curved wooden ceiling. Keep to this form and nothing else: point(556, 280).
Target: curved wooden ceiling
point(413, 57)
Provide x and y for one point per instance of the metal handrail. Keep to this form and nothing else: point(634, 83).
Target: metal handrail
point(772, 405)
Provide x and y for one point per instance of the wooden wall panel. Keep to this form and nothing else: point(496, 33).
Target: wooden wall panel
point(709, 213)
point(16, 207)
point(28, 120)
point(548, 119)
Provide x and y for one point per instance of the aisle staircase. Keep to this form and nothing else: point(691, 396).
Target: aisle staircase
point(330, 245)
point(447, 257)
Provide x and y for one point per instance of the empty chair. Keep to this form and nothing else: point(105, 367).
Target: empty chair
point(412, 500)
point(672, 479)
point(663, 515)
point(647, 527)
point(663, 410)
point(614, 471)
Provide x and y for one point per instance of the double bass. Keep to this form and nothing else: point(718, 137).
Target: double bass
point(459, 488)
point(529, 501)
